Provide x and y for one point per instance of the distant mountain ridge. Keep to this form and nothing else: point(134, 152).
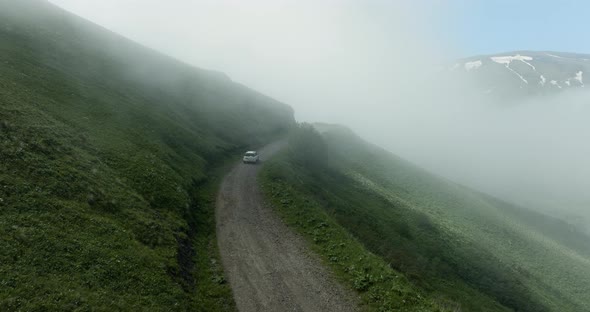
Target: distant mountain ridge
point(521, 73)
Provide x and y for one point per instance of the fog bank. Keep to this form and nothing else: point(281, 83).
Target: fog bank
point(371, 65)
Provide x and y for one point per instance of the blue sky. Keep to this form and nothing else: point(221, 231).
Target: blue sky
point(484, 27)
point(470, 27)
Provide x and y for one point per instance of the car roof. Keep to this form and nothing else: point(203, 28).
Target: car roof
point(251, 152)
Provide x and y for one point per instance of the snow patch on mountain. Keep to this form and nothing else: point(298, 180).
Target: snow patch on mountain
point(473, 65)
point(506, 60)
point(543, 80)
point(531, 65)
point(554, 82)
point(579, 77)
point(553, 55)
point(517, 74)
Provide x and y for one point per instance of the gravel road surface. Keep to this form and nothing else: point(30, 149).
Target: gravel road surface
point(268, 266)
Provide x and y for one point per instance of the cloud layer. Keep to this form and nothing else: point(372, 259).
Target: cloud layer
point(371, 65)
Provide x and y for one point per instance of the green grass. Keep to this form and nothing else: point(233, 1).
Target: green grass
point(212, 289)
point(110, 155)
point(380, 287)
point(452, 244)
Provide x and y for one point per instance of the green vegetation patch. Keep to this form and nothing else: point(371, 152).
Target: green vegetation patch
point(285, 180)
point(380, 287)
point(450, 244)
point(110, 155)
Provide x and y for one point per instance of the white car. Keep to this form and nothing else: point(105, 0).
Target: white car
point(251, 157)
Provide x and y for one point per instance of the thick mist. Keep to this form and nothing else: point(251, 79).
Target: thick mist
point(531, 152)
point(372, 65)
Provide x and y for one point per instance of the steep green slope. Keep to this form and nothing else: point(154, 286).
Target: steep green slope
point(108, 151)
point(450, 242)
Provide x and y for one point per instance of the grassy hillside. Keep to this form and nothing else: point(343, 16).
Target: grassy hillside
point(456, 246)
point(108, 154)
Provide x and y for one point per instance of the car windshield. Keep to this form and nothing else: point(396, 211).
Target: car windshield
point(251, 154)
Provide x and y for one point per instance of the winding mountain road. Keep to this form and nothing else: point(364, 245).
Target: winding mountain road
point(268, 266)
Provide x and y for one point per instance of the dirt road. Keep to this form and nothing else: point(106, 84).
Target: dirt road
point(268, 266)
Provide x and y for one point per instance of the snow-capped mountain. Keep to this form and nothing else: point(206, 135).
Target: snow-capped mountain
point(525, 72)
